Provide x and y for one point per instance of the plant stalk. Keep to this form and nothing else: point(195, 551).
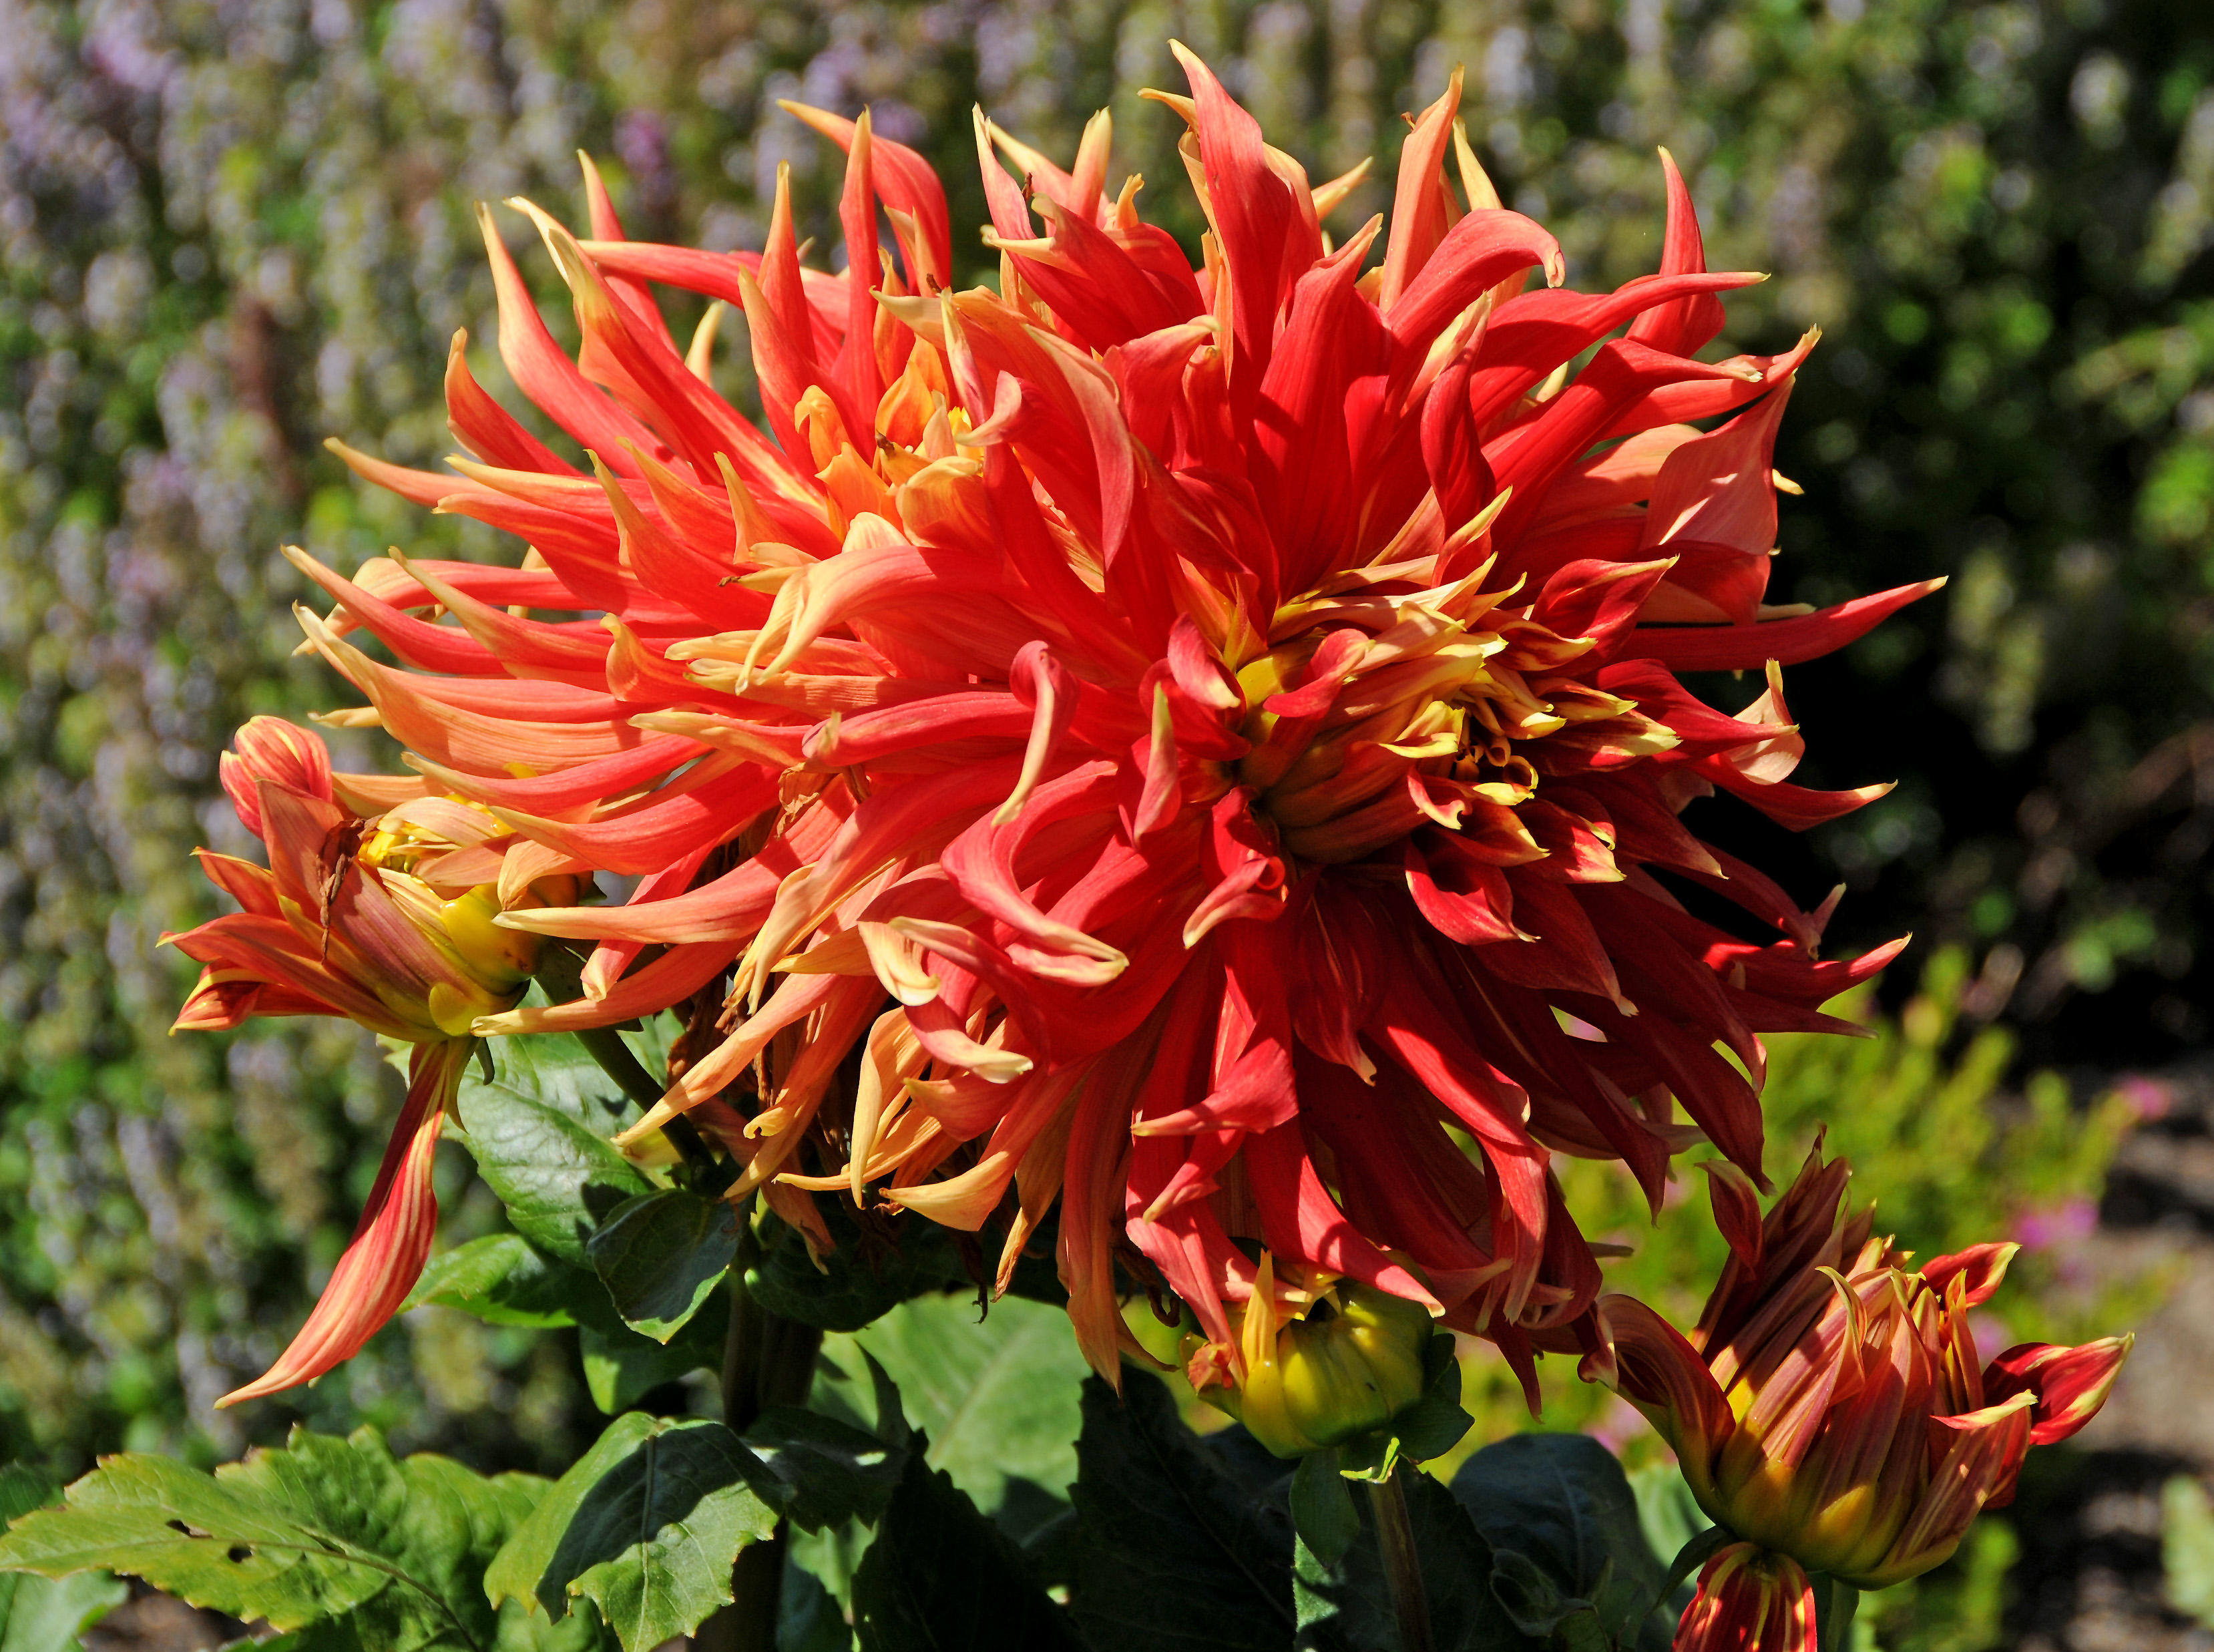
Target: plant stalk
point(1402, 1567)
point(767, 1360)
point(1834, 1606)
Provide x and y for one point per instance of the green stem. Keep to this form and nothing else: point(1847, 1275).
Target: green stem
point(1834, 1605)
point(562, 976)
point(1402, 1567)
point(767, 1360)
point(606, 1046)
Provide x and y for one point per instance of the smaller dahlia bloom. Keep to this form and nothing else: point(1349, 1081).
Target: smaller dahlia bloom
point(1830, 1406)
point(378, 905)
point(1346, 1360)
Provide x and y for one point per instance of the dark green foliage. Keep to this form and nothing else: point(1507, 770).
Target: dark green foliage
point(1175, 1551)
point(1345, 1605)
point(1568, 1548)
point(661, 1255)
point(622, 1367)
point(1184, 1542)
point(558, 1177)
point(998, 1399)
point(645, 1527)
point(46, 1614)
point(504, 1280)
point(940, 1578)
point(866, 1275)
point(835, 1471)
point(1566, 1542)
point(1322, 1508)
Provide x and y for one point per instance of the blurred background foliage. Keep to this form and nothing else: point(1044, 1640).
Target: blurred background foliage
point(230, 229)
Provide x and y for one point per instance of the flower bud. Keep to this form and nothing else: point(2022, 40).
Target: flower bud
point(1831, 1406)
point(1750, 1601)
point(1351, 1365)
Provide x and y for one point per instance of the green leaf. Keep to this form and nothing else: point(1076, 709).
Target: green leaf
point(557, 1072)
point(1347, 1606)
point(809, 1617)
point(998, 1400)
point(1563, 1526)
point(645, 1525)
point(46, 1614)
point(1175, 1552)
point(835, 1473)
point(51, 1614)
point(557, 1177)
point(1322, 1508)
point(622, 1366)
point(661, 1254)
point(941, 1578)
point(330, 1535)
point(1434, 1424)
point(504, 1280)
point(859, 1281)
point(831, 1556)
point(2187, 1548)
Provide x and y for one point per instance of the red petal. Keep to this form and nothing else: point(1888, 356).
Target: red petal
point(2069, 1384)
point(1788, 642)
point(1681, 326)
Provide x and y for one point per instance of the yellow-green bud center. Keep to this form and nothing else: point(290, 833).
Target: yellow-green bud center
point(1333, 1375)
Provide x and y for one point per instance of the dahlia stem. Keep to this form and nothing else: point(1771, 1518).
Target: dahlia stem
point(561, 975)
point(767, 1359)
point(1402, 1567)
point(1834, 1604)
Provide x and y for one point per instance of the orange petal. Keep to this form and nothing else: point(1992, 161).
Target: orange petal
point(386, 1257)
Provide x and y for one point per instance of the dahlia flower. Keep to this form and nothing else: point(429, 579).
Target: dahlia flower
point(378, 904)
point(1203, 739)
point(1829, 1410)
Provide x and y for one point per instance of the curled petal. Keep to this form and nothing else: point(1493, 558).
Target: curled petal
point(1976, 1457)
point(2069, 1383)
point(386, 1253)
point(1662, 1375)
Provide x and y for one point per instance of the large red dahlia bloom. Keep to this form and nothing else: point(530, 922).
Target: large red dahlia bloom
point(1206, 737)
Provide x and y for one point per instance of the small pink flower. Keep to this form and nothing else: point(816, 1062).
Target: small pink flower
point(2149, 1098)
point(2068, 1223)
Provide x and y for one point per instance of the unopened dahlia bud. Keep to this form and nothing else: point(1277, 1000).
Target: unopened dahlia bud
point(1351, 1364)
point(1750, 1599)
point(1830, 1409)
